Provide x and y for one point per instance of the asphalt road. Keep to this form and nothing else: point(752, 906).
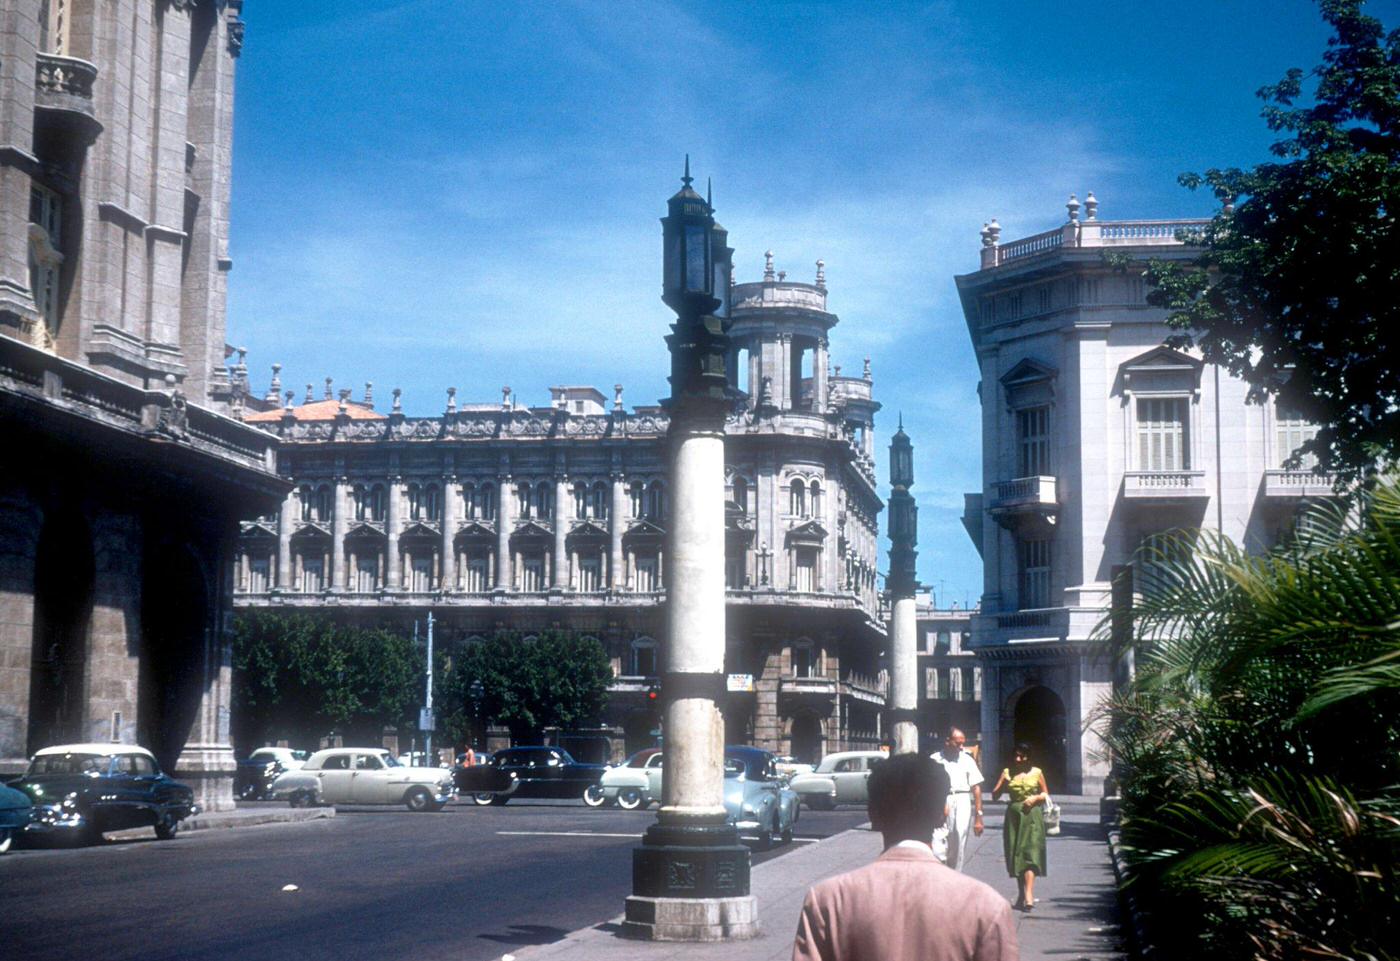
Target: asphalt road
point(372, 883)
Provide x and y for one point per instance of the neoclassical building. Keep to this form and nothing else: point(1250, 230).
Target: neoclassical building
point(1096, 439)
point(124, 480)
point(507, 516)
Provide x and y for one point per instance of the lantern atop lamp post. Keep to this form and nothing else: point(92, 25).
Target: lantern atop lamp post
point(695, 259)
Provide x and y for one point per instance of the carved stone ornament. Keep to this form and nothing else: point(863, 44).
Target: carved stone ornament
point(174, 419)
point(235, 37)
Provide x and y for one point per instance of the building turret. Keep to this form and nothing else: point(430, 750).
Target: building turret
point(779, 333)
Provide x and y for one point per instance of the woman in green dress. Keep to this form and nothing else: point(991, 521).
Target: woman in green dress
point(1023, 831)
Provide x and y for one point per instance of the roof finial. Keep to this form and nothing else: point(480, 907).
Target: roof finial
point(452, 400)
point(290, 395)
point(768, 265)
point(617, 397)
point(1091, 207)
point(398, 400)
point(901, 420)
point(274, 389)
point(1072, 205)
point(369, 394)
point(330, 395)
point(821, 274)
point(309, 396)
point(709, 195)
point(687, 178)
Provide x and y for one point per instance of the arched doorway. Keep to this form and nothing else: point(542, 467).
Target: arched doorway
point(807, 739)
point(64, 573)
point(174, 618)
point(1040, 722)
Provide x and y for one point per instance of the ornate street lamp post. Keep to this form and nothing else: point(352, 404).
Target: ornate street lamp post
point(902, 713)
point(690, 876)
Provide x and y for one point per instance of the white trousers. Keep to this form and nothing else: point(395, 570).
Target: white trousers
point(959, 826)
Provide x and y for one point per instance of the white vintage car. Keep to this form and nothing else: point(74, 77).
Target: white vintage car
point(840, 778)
point(636, 782)
point(364, 775)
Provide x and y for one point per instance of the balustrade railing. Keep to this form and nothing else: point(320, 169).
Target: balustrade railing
point(55, 73)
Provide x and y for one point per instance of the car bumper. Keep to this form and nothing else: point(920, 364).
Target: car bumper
point(52, 820)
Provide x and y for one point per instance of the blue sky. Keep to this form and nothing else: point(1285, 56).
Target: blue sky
point(466, 194)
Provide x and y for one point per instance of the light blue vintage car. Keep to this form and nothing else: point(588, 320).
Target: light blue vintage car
point(756, 798)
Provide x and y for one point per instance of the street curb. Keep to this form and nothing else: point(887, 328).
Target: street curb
point(1143, 947)
point(220, 820)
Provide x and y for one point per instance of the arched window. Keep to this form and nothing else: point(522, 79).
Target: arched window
point(415, 502)
point(637, 493)
point(469, 504)
point(486, 502)
point(432, 503)
point(656, 502)
point(376, 503)
point(544, 500)
point(816, 493)
point(797, 498)
point(580, 500)
point(741, 494)
point(324, 502)
point(307, 499)
point(600, 501)
point(522, 501)
point(361, 498)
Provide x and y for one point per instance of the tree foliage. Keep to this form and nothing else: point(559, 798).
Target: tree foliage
point(301, 677)
point(555, 679)
point(1298, 288)
point(1259, 744)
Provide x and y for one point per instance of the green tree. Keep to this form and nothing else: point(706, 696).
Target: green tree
point(299, 676)
point(1298, 288)
point(1259, 744)
point(555, 679)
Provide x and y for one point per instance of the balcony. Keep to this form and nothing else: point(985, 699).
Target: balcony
point(1178, 486)
point(64, 85)
point(1025, 500)
point(1297, 484)
point(864, 687)
point(808, 689)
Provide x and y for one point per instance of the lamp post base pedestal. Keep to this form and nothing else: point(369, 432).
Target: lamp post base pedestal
point(690, 882)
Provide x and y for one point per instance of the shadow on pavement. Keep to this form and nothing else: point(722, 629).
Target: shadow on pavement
point(527, 934)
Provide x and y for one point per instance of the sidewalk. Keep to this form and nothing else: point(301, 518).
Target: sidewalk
point(1075, 916)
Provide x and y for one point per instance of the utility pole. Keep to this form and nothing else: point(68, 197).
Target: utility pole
point(428, 710)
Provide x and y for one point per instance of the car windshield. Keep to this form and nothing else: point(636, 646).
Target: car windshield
point(641, 758)
point(70, 764)
point(733, 768)
point(300, 755)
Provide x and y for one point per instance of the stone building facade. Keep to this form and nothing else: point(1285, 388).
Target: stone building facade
point(124, 483)
point(950, 677)
point(1096, 439)
point(501, 516)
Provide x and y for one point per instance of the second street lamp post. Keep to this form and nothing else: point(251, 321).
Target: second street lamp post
point(902, 713)
point(690, 876)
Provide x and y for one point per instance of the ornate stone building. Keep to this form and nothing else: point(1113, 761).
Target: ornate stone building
point(1096, 439)
point(950, 676)
point(124, 484)
point(502, 516)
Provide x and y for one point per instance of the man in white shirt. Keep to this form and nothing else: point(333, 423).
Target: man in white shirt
point(964, 808)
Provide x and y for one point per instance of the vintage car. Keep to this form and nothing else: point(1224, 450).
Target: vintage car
point(531, 772)
point(285, 757)
point(15, 810)
point(788, 765)
point(81, 790)
point(755, 798)
point(634, 783)
point(839, 779)
point(364, 775)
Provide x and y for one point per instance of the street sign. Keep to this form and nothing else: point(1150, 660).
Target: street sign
point(740, 682)
point(426, 721)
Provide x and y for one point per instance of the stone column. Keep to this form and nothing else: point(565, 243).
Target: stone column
point(617, 523)
point(904, 676)
point(19, 38)
point(505, 517)
point(112, 673)
point(393, 563)
point(783, 387)
point(165, 236)
point(561, 531)
point(447, 579)
point(340, 525)
point(286, 518)
point(819, 362)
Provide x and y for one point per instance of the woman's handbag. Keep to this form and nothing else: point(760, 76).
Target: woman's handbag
point(1052, 817)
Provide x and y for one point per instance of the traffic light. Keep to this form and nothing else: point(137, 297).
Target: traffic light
point(653, 691)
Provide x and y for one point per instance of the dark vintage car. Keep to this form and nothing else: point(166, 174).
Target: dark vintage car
point(531, 772)
point(82, 790)
point(14, 815)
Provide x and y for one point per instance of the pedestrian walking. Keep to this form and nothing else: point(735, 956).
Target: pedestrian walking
point(906, 905)
point(964, 809)
point(1023, 832)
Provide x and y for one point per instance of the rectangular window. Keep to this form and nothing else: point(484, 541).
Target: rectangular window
point(945, 642)
point(644, 660)
point(955, 691)
point(590, 574)
point(1292, 431)
point(312, 573)
point(1034, 574)
point(258, 571)
point(942, 684)
point(806, 570)
point(367, 573)
point(45, 252)
point(969, 684)
point(1033, 441)
point(1161, 434)
point(803, 661)
point(421, 572)
point(930, 684)
point(647, 569)
point(532, 574)
point(476, 572)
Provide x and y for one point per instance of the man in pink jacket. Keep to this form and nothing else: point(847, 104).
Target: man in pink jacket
point(906, 906)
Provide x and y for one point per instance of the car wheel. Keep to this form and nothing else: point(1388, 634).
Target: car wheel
point(787, 834)
point(499, 799)
point(418, 799)
point(248, 792)
point(298, 799)
point(629, 799)
point(7, 838)
point(593, 796)
point(167, 827)
point(482, 799)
